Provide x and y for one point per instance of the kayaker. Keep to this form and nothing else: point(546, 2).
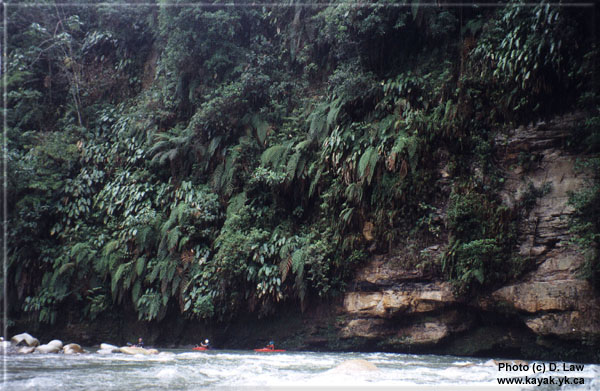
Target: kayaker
point(205, 344)
point(271, 345)
point(140, 343)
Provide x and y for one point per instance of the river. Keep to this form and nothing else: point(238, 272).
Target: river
point(179, 369)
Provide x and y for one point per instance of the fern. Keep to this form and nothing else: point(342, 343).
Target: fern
point(215, 142)
point(303, 145)
point(145, 238)
point(334, 110)
point(261, 128)
point(149, 305)
point(117, 277)
point(183, 241)
point(222, 178)
point(177, 216)
point(135, 292)
point(217, 175)
point(284, 267)
point(113, 259)
point(167, 270)
point(387, 124)
point(175, 284)
point(293, 165)
point(64, 269)
point(140, 264)
point(171, 145)
point(154, 270)
point(274, 155)
point(346, 215)
point(298, 262)
point(412, 152)
point(110, 247)
point(170, 155)
point(367, 163)
point(314, 183)
point(318, 121)
point(354, 193)
point(81, 251)
point(235, 204)
point(400, 143)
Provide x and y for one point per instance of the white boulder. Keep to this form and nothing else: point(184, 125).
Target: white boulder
point(136, 350)
point(53, 346)
point(73, 348)
point(56, 342)
point(107, 346)
point(26, 349)
point(25, 339)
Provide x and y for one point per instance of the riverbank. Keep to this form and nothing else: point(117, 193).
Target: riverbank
point(317, 329)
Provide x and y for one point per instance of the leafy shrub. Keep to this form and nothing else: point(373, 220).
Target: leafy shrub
point(483, 236)
point(526, 53)
point(585, 223)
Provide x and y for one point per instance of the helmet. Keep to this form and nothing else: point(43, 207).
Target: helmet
point(206, 341)
point(271, 343)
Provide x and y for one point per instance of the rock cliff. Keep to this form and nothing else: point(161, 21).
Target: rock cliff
point(398, 308)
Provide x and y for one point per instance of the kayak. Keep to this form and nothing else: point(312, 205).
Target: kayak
point(265, 350)
point(199, 348)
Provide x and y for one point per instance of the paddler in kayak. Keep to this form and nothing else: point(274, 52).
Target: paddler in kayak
point(205, 344)
point(269, 348)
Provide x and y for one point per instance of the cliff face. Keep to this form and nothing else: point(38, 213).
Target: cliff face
point(550, 312)
point(551, 305)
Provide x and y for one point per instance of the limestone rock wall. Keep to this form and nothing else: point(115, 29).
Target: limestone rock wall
point(398, 307)
point(553, 299)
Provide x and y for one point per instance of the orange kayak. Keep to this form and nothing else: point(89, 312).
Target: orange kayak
point(200, 348)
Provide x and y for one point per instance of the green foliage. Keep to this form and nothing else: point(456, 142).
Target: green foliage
point(367, 163)
point(530, 196)
point(528, 52)
point(585, 222)
point(211, 160)
point(483, 235)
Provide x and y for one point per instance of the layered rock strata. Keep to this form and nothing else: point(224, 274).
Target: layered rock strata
point(553, 299)
point(396, 306)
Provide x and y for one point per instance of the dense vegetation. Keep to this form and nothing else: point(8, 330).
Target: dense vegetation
point(211, 160)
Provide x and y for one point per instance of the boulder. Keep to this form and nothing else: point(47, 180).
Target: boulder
point(136, 350)
point(25, 339)
point(56, 343)
point(72, 348)
point(107, 346)
point(47, 348)
point(26, 349)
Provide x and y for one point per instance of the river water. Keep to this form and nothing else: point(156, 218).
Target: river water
point(179, 369)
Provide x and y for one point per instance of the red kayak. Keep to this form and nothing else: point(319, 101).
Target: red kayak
point(200, 348)
point(269, 350)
